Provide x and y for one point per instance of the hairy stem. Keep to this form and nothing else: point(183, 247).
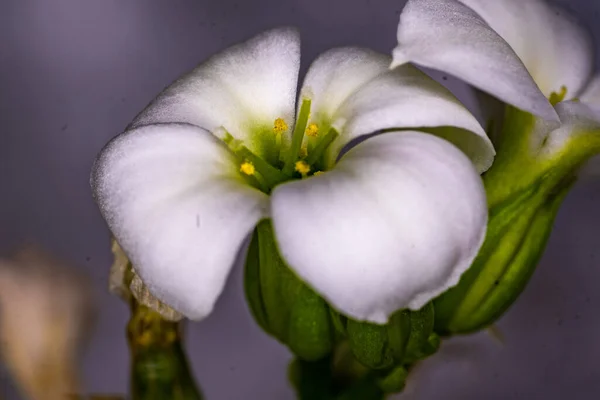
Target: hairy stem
point(159, 366)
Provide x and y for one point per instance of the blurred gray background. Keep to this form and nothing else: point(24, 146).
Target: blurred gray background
point(73, 73)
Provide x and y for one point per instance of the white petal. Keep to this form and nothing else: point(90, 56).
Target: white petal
point(407, 98)
point(449, 36)
point(243, 89)
point(591, 97)
point(555, 49)
point(577, 120)
point(591, 94)
point(393, 225)
point(175, 201)
point(338, 73)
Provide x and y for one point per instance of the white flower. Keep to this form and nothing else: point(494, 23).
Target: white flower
point(390, 225)
point(525, 53)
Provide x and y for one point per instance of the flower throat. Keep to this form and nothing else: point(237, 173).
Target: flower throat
point(302, 158)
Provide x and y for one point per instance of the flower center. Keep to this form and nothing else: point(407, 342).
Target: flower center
point(296, 159)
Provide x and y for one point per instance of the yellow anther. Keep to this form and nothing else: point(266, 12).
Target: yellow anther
point(279, 126)
point(312, 130)
point(556, 98)
point(247, 168)
point(302, 167)
point(318, 173)
point(303, 152)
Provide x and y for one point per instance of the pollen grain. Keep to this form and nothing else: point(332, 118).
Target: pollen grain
point(279, 126)
point(312, 130)
point(247, 168)
point(302, 167)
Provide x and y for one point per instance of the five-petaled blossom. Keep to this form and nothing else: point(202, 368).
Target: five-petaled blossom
point(526, 53)
point(388, 224)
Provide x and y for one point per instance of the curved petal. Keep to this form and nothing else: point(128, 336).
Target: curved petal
point(591, 97)
point(579, 134)
point(336, 74)
point(175, 201)
point(393, 225)
point(556, 50)
point(449, 36)
point(242, 89)
point(407, 98)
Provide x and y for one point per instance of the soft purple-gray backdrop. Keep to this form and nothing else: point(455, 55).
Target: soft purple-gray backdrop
point(73, 73)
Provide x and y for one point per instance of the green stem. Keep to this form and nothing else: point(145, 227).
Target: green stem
point(321, 380)
point(318, 151)
point(159, 367)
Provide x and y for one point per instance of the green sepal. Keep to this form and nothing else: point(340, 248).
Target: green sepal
point(380, 346)
point(283, 305)
point(524, 195)
point(394, 381)
point(406, 338)
point(501, 271)
point(422, 342)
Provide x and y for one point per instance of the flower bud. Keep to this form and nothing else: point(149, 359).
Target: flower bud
point(406, 338)
point(282, 304)
point(535, 167)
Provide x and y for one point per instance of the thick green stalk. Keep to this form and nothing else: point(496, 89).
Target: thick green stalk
point(159, 367)
point(321, 380)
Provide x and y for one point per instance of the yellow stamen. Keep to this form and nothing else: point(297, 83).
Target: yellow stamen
point(302, 167)
point(247, 168)
point(556, 98)
point(279, 126)
point(303, 151)
point(312, 130)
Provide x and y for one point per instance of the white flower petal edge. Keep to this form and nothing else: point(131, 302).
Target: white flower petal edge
point(175, 201)
point(407, 98)
point(243, 89)
point(591, 98)
point(336, 74)
point(393, 225)
point(555, 49)
point(576, 119)
point(449, 36)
